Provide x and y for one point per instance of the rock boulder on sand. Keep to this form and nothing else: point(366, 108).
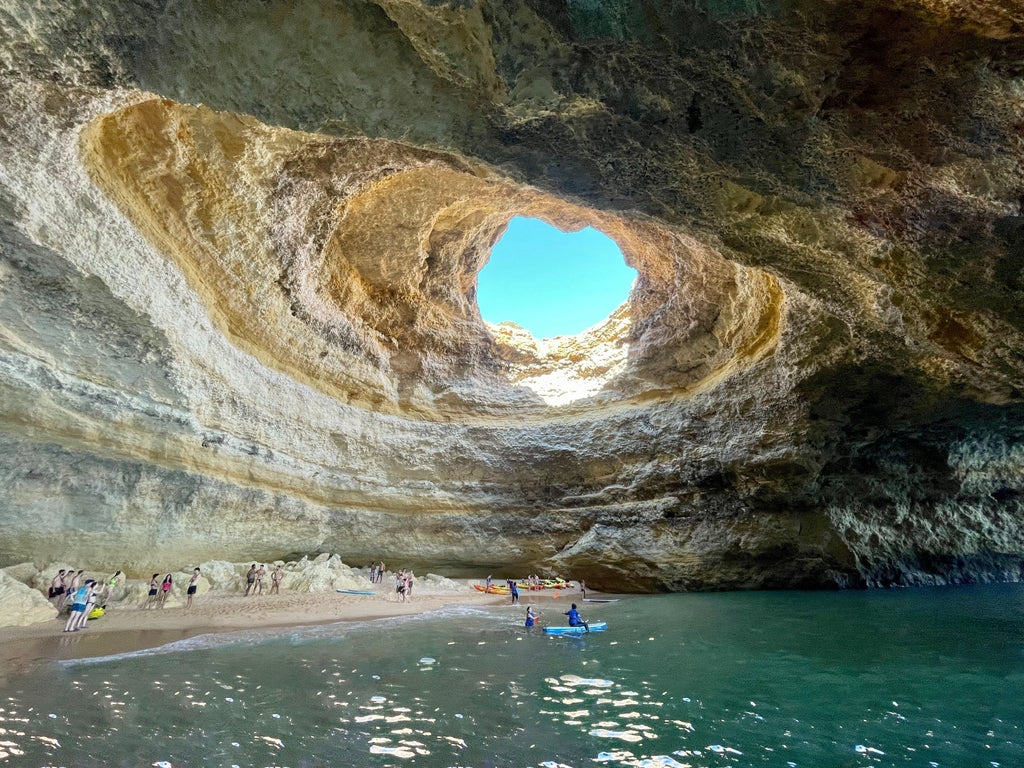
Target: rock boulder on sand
point(22, 605)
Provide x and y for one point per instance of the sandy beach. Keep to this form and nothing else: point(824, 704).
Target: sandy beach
point(127, 628)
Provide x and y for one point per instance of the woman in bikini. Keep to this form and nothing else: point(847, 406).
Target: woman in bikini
point(165, 589)
point(154, 587)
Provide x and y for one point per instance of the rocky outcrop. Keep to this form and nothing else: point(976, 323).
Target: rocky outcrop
point(22, 605)
point(239, 259)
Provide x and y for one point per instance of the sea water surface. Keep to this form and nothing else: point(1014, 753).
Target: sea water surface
point(922, 677)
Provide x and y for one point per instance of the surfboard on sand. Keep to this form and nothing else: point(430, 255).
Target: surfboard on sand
point(357, 591)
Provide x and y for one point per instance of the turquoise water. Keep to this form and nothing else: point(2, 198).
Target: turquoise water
point(930, 677)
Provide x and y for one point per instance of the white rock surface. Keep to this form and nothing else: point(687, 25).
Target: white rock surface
point(20, 605)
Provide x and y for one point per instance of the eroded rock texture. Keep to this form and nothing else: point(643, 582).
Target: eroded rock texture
point(239, 254)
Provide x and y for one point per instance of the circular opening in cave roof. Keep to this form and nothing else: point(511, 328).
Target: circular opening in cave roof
point(552, 283)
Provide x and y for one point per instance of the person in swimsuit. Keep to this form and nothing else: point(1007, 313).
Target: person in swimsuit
point(165, 589)
point(250, 579)
point(71, 588)
point(112, 583)
point(96, 591)
point(192, 583)
point(258, 586)
point(79, 599)
point(275, 580)
point(154, 587)
point(57, 588)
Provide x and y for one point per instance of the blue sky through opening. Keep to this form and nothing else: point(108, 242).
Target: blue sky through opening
point(552, 283)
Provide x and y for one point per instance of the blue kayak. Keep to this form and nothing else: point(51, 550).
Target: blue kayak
point(597, 626)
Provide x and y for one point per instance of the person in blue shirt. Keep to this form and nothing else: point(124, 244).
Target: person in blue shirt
point(531, 617)
point(575, 620)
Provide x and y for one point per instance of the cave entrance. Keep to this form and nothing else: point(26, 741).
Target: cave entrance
point(552, 283)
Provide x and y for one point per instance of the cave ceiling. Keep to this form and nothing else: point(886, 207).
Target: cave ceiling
point(239, 254)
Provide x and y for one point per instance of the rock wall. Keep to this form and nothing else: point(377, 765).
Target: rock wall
point(238, 259)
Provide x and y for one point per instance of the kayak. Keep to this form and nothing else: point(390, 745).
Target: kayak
point(599, 600)
point(492, 590)
point(96, 612)
point(545, 584)
point(356, 591)
point(596, 626)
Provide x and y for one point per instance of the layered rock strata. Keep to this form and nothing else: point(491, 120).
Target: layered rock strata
point(239, 259)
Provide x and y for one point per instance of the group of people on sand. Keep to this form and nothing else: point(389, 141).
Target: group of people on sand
point(160, 589)
point(80, 596)
point(66, 584)
point(377, 569)
point(257, 573)
point(83, 602)
point(403, 584)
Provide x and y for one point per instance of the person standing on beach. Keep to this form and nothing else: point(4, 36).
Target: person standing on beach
point(400, 585)
point(514, 591)
point(409, 579)
point(112, 583)
point(165, 589)
point(79, 607)
point(260, 573)
point(96, 591)
point(74, 586)
point(192, 584)
point(250, 579)
point(57, 588)
point(154, 588)
point(275, 580)
point(583, 589)
point(381, 568)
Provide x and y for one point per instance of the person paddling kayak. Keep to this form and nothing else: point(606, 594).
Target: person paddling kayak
point(575, 620)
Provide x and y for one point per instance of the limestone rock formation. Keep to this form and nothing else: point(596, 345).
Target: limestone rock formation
point(238, 256)
point(22, 605)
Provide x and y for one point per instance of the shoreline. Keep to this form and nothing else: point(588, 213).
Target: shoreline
point(130, 628)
